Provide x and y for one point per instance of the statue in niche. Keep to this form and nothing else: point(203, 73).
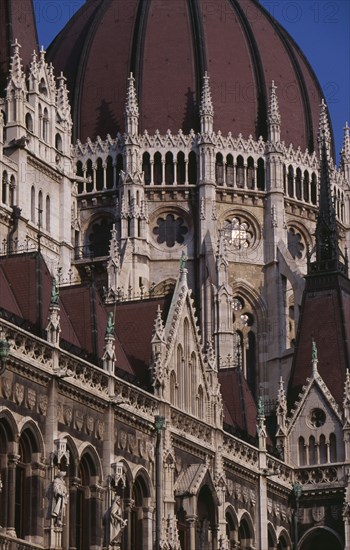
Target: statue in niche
point(60, 497)
point(115, 523)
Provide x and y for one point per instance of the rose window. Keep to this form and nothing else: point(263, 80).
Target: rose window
point(238, 233)
point(170, 230)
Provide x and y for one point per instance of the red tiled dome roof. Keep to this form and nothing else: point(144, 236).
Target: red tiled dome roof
point(168, 44)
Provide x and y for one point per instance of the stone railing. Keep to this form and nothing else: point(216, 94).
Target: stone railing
point(242, 452)
point(320, 476)
point(11, 543)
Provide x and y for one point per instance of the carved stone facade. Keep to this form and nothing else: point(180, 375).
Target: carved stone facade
point(156, 389)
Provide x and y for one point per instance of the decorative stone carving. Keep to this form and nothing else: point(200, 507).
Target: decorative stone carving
point(31, 399)
point(19, 393)
point(60, 497)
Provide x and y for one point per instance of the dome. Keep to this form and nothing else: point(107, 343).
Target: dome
point(168, 45)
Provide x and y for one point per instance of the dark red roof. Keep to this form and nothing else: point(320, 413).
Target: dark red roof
point(325, 318)
point(168, 46)
point(17, 20)
point(239, 404)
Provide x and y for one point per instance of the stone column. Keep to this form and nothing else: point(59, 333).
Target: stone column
point(13, 460)
point(192, 524)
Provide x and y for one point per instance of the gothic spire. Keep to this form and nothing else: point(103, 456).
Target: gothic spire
point(206, 108)
point(328, 254)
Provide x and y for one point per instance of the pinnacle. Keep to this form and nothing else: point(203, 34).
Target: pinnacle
point(324, 135)
point(206, 101)
point(274, 116)
point(131, 106)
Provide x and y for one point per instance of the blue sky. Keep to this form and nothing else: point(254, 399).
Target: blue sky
point(320, 27)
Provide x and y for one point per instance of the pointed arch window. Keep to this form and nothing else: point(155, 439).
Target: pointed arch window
point(48, 213)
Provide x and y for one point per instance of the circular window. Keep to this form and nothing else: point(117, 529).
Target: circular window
point(238, 233)
point(170, 229)
point(317, 418)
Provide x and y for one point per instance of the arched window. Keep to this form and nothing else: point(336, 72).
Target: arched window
point(306, 186)
point(90, 176)
point(173, 388)
point(12, 190)
point(13, 105)
point(250, 173)
point(45, 125)
point(169, 168)
point(244, 534)
point(261, 174)
point(119, 166)
point(140, 529)
point(302, 451)
point(219, 169)
point(180, 375)
point(323, 449)
point(298, 184)
point(312, 450)
point(229, 171)
point(146, 167)
point(4, 187)
point(48, 213)
point(58, 142)
point(29, 122)
point(86, 530)
point(290, 181)
point(99, 174)
point(32, 204)
point(40, 209)
point(43, 87)
point(40, 121)
point(193, 381)
point(157, 169)
point(109, 173)
point(201, 403)
point(240, 172)
point(332, 448)
point(192, 168)
point(231, 530)
point(181, 168)
point(250, 360)
point(6, 447)
point(98, 238)
point(284, 179)
point(313, 188)
point(27, 486)
point(80, 174)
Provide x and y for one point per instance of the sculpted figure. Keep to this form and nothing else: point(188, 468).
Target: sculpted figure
point(116, 521)
point(60, 497)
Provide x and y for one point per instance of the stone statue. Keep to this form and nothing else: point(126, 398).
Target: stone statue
point(54, 293)
point(60, 497)
point(110, 325)
point(116, 522)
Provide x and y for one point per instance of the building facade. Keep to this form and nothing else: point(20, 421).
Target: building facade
point(174, 303)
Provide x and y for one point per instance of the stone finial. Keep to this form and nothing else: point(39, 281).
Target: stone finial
point(221, 253)
point(158, 327)
point(114, 253)
point(62, 101)
point(206, 110)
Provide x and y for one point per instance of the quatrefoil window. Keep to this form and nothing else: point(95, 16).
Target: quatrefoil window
point(170, 230)
point(317, 418)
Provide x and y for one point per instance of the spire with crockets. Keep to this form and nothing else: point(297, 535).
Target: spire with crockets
point(329, 257)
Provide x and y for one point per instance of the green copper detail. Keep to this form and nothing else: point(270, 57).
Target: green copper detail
point(314, 351)
point(110, 325)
